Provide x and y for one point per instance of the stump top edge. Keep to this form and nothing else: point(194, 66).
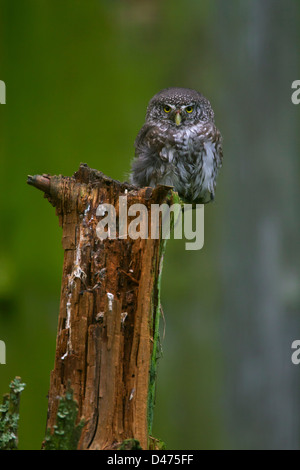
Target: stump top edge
point(92, 177)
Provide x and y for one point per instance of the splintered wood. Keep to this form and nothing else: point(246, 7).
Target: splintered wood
point(109, 300)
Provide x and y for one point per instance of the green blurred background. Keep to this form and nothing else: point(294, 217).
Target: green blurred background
point(79, 75)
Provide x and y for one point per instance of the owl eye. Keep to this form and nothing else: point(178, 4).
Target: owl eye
point(189, 109)
point(167, 109)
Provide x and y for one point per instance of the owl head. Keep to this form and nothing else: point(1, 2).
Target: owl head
point(179, 107)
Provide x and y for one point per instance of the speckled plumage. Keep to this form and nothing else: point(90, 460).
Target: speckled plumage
point(179, 148)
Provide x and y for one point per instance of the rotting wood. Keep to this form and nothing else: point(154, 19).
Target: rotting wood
point(108, 311)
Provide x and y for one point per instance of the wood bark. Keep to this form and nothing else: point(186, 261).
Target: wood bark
point(107, 325)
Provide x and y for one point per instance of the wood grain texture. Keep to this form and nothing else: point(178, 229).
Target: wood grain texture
point(107, 310)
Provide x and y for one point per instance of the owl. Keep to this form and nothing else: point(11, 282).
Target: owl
point(179, 145)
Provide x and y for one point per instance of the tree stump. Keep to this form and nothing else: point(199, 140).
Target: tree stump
point(107, 334)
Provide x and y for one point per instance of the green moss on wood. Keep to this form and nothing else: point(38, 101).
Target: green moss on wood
point(130, 444)
point(156, 444)
point(9, 415)
point(156, 341)
point(65, 434)
point(156, 351)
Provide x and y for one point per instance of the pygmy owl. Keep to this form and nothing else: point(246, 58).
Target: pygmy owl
point(179, 145)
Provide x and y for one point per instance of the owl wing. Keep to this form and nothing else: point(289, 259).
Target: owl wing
point(208, 135)
point(217, 143)
point(207, 154)
point(146, 166)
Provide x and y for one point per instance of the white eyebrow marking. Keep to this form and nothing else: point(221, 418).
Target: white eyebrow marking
point(187, 105)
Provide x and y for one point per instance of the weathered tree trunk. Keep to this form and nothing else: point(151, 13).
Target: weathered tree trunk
point(108, 320)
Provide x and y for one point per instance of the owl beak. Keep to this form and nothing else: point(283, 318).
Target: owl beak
point(177, 118)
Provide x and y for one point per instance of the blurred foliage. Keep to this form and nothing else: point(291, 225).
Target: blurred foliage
point(79, 76)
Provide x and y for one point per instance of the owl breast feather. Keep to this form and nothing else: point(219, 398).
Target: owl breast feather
point(190, 165)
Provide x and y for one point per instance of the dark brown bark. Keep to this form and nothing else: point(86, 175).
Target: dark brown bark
point(107, 312)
